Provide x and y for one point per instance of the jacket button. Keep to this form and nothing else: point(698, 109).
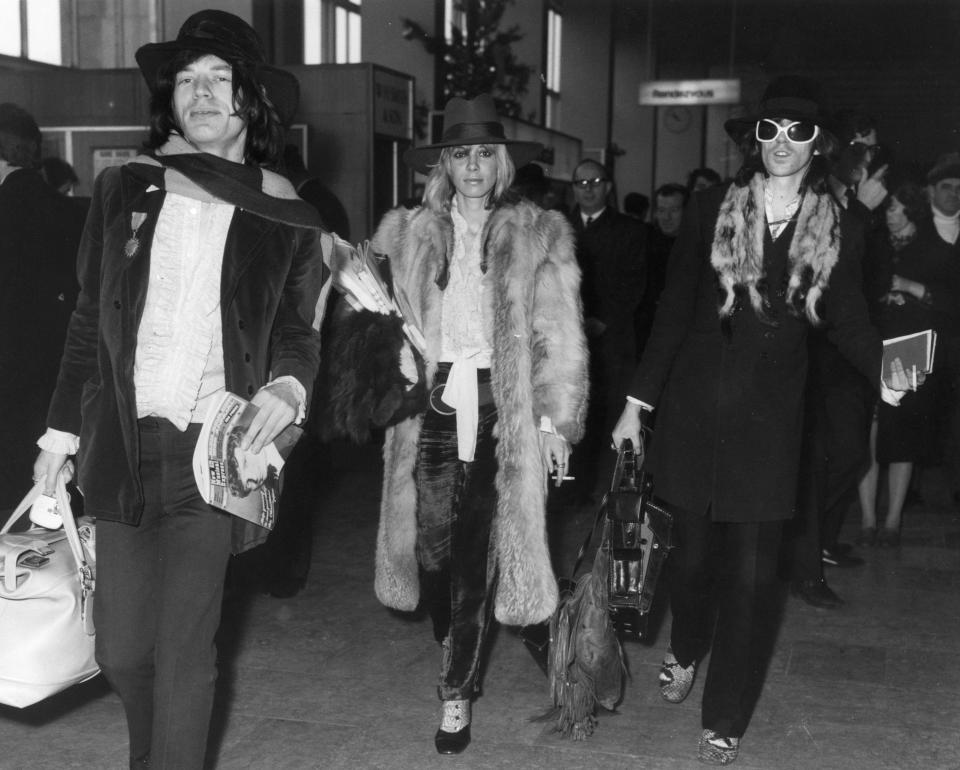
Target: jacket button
point(246, 357)
point(116, 304)
point(241, 324)
point(249, 390)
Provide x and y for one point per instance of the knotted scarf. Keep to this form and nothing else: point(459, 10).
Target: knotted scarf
point(180, 168)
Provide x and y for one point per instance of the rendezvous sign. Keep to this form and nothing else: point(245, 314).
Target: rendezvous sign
point(659, 93)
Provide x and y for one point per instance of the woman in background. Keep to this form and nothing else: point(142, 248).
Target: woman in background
point(917, 287)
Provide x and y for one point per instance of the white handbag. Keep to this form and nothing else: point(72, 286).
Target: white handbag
point(46, 609)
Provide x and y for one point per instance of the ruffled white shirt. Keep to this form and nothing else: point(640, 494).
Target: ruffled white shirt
point(178, 370)
point(466, 330)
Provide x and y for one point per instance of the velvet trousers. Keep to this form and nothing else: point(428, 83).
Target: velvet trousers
point(456, 505)
point(724, 598)
point(157, 607)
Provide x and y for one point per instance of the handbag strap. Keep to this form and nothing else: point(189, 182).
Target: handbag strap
point(626, 463)
point(84, 570)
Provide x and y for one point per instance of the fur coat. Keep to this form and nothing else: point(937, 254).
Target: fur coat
point(539, 367)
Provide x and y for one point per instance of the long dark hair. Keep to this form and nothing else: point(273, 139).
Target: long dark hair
point(825, 147)
point(265, 138)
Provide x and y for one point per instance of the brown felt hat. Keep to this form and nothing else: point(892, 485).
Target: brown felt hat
point(466, 122)
point(232, 39)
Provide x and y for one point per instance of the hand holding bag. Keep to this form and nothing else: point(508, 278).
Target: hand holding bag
point(637, 535)
point(46, 610)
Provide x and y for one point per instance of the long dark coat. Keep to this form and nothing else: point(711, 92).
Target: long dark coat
point(729, 397)
point(39, 233)
point(270, 281)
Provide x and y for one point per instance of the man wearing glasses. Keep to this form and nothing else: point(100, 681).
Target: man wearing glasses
point(611, 251)
point(756, 264)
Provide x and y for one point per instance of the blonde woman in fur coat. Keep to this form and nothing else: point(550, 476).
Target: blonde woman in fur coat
point(494, 284)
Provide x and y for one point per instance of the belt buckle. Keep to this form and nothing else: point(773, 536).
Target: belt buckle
point(439, 406)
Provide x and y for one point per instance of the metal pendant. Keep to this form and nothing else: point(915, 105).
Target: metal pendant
point(131, 247)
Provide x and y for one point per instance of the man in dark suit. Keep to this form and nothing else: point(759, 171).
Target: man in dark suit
point(39, 234)
point(611, 251)
point(839, 398)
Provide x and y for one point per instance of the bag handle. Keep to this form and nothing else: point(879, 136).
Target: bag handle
point(626, 461)
point(84, 570)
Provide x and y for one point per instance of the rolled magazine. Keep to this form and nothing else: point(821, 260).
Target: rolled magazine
point(238, 481)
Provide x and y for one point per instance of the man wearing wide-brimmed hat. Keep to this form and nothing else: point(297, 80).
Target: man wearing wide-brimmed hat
point(756, 264)
point(200, 273)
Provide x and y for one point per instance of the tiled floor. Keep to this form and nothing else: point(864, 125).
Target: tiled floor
point(330, 679)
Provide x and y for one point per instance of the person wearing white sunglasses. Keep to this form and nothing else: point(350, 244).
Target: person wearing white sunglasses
point(757, 263)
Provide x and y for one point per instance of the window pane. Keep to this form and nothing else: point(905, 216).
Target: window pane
point(10, 28)
point(355, 21)
point(312, 32)
point(554, 22)
point(43, 30)
point(340, 31)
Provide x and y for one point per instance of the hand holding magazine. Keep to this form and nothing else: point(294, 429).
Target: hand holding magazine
point(237, 480)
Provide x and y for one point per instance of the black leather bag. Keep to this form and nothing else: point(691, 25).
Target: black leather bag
point(637, 535)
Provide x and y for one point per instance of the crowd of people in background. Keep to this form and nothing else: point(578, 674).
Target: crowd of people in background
point(746, 314)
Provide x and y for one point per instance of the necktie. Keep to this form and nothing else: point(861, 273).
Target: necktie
point(851, 196)
point(588, 222)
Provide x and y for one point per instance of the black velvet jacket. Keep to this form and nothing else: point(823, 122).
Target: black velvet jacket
point(270, 282)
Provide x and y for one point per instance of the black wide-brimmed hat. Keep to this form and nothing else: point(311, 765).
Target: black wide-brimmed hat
point(790, 97)
point(232, 39)
point(466, 122)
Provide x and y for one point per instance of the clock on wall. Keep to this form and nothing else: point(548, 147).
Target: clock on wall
point(677, 118)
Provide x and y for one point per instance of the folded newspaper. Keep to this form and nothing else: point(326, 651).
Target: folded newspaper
point(237, 480)
point(363, 277)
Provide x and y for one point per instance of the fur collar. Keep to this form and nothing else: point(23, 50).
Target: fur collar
point(737, 253)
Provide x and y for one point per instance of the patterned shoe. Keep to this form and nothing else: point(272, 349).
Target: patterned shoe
point(716, 750)
point(454, 733)
point(675, 680)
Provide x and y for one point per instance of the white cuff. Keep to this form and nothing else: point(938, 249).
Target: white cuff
point(300, 391)
point(641, 404)
point(59, 442)
point(889, 395)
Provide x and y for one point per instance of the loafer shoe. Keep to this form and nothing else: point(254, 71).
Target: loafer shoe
point(675, 680)
point(452, 743)
point(837, 559)
point(716, 749)
point(816, 593)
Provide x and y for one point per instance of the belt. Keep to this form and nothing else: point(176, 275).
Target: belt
point(484, 391)
point(484, 398)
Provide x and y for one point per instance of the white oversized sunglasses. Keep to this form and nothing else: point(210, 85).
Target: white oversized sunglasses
point(798, 132)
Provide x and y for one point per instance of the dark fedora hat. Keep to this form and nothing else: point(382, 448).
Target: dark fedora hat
point(946, 167)
point(466, 122)
point(233, 40)
point(790, 97)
